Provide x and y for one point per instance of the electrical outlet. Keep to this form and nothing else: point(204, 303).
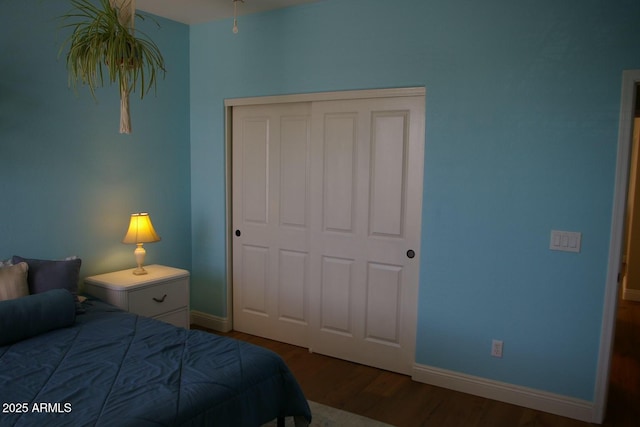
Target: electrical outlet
point(496, 348)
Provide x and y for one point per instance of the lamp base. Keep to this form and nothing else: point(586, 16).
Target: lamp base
point(139, 254)
point(139, 271)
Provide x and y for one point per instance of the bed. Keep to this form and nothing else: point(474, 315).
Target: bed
point(68, 363)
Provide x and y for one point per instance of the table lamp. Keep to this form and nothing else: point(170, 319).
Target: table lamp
point(140, 231)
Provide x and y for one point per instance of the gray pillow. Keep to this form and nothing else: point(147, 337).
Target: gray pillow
point(13, 281)
point(45, 275)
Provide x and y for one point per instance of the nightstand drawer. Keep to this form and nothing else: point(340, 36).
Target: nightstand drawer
point(159, 299)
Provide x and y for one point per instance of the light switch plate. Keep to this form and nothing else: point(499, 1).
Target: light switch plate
point(567, 241)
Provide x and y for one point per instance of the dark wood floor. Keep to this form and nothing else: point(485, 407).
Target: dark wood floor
point(397, 400)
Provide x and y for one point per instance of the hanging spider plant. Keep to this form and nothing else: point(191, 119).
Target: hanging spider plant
point(104, 41)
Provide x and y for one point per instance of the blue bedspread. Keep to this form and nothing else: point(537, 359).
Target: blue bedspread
point(114, 368)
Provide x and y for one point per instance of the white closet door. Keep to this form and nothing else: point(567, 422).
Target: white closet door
point(366, 202)
point(327, 200)
point(270, 162)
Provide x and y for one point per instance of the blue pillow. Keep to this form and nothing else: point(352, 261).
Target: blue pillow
point(45, 275)
point(26, 317)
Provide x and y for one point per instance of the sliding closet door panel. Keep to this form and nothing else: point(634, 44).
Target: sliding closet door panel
point(364, 209)
point(270, 211)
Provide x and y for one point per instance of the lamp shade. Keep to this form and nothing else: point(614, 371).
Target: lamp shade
point(140, 230)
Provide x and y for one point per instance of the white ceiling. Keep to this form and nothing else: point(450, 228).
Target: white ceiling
point(197, 11)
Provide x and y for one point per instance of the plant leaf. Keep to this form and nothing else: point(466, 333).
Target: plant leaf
point(98, 39)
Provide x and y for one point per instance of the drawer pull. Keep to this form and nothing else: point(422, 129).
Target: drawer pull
point(160, 300)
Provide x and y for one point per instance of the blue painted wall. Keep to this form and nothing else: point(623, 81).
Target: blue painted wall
point(521, 135)
point(68, 178)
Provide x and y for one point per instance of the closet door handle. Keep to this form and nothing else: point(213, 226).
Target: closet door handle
point(411, 253)
point(160, 299)
point(238, 233)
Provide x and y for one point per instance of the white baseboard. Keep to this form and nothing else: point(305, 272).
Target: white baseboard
point(209, 321)
point(631, 294)
point(522, 396)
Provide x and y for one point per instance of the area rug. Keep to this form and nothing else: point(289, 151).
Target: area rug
point(326, 416)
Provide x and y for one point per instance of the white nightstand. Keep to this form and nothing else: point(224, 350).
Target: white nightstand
point(163, 293)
